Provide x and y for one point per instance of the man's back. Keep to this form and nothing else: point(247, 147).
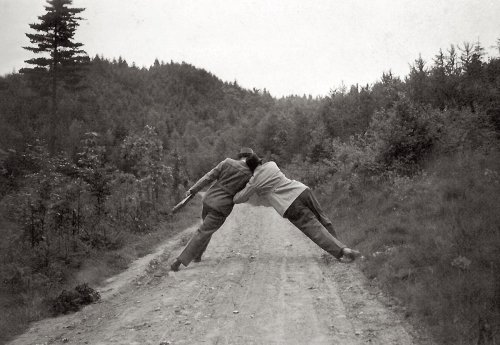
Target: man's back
point(231, 176)
point(268, 181)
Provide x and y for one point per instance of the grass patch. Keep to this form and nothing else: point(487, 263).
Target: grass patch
point(433, 241)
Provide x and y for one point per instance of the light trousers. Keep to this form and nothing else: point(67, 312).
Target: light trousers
point(212, 221)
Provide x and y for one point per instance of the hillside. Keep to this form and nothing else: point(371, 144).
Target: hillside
point(406, 166)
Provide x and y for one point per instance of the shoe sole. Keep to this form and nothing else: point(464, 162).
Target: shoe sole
point(353, 255)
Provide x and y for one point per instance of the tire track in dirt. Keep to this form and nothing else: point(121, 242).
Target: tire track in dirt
point(261, 282)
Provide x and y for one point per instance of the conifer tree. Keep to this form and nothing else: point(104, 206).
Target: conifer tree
point(61, 59)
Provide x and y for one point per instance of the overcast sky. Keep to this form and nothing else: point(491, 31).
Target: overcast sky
point(286, 46)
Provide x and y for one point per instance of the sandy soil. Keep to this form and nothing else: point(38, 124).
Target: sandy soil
point(261, 282)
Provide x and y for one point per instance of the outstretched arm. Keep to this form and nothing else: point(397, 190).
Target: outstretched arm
point(209, 177)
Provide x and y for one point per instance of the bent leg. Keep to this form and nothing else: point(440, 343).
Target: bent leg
point(198, 243)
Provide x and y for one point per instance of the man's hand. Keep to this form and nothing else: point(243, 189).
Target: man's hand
point(181, 204)
point(188, 193)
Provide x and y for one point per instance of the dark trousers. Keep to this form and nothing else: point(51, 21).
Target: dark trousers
point(212, 221)
point(306, 214)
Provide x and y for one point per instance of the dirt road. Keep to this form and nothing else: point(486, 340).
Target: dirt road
point(261, 282)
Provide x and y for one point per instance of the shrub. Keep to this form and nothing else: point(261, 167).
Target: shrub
point(463, 131)
point(403, 137)
point(73, 300)
point(143, 156)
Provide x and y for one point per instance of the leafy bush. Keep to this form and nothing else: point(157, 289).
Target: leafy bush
point(144, 157)
point(463, 131)
point(403, 137)
point(73, 300)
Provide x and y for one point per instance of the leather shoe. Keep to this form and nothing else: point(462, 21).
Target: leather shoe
point(175, 266)
point(350, 254)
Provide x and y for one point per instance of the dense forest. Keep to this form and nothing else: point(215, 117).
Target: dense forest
point(193, 111)
point(410, 166)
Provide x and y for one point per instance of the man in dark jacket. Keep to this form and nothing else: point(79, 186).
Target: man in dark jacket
point(230, 177)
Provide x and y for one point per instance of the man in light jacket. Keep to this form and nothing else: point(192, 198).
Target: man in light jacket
point(230, 177)
point(295, 201)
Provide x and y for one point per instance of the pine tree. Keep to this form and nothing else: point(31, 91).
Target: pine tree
point(417, 81)
point(438, 81)
point(62, 59)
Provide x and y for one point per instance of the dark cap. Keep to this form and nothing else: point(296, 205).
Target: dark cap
point(245, 152)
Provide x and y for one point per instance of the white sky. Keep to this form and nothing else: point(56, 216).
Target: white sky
point(286, 46)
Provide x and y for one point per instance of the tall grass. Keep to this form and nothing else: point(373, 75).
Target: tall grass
point(433, 241)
